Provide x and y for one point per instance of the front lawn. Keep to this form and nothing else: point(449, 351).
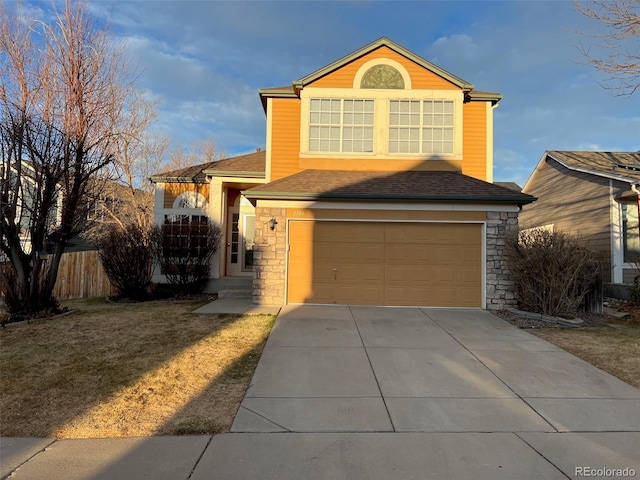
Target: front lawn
point(124, 370)
point(614, 347)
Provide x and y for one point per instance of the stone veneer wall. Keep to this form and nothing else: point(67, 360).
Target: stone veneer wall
point(501, 290)
point(269, 257)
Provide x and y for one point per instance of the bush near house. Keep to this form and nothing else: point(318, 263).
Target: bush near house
point(127, 255)
point(553, 271)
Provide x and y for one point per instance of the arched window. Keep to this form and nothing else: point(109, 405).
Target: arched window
point(382, 76)
point(190, 200)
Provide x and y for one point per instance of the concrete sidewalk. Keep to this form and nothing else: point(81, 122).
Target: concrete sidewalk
point(386, 393)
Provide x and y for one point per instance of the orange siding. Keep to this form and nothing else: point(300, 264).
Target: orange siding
point(420, 78)
point(172, 190)
point(474, 140)
point(379, 164)
point(285, 141)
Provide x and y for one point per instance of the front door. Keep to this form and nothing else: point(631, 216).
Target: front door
point(240, 242)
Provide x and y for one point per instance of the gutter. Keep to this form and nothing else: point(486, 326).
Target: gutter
point(519, 200)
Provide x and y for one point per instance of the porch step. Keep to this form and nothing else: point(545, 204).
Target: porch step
point(236, 287)
point(235, 293)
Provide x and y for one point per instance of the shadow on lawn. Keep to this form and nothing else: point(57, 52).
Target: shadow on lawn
point(45, 414)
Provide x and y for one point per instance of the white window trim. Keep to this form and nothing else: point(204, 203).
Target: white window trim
point(381, 120)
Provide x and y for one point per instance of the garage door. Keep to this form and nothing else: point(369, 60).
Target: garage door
point(368, 263)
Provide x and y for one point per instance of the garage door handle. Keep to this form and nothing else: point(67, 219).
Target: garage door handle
point(335, 273)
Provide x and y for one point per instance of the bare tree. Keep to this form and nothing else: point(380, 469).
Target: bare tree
point(63, 86)
point(616, 50)
point(201, 151)
point(126, 196)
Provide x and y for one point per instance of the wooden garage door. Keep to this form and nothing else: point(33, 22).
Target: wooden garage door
point(367, 263)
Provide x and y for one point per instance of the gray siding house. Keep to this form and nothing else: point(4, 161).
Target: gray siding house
point(594, 195)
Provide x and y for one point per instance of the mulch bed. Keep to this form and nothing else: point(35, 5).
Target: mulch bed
point(520, 322)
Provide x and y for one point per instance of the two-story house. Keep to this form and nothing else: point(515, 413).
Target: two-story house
point(375, 188)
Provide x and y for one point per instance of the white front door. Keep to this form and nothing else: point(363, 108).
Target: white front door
point(240, 242)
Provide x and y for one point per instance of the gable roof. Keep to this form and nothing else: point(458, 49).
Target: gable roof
point(622, 166)
point(250, 165)
point(297, 85)
point(405, 185)
point(382, 42)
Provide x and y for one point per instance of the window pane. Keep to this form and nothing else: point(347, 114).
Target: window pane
point(368, 106)
point(348, 119)
point(325, 118)
point(335, 145)
point(368, 146)
point(631, 242)
point(314, 118)
point(415, 120)
point(314, 145)
point(394, 106)
point(347, 133)
point(368, 119)
point(427, 107)
point(335, 118)
point(447, 134)
point(368, 133)
point(324, 145)
point(448, 107)
point(404, 107)
point(395, 119)
point(315, 104)
point(335, 133)
point(447, 120)
point(447, 147)
point(414, 147)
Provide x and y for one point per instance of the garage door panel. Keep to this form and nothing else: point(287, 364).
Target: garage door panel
point(371, 263)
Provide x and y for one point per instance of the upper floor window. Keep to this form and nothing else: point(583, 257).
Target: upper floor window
point(341, 125)
point(421, 126)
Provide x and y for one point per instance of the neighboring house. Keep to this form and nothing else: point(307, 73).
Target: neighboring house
point(375, 188)
point(594, 195)
point(27, 199)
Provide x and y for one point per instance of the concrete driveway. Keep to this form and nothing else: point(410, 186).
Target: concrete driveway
point(444, 393)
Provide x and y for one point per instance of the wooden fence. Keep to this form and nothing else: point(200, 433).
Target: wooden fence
point(80, 276)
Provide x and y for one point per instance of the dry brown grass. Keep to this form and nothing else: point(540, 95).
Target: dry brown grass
point(116, 370)
point(614, 347)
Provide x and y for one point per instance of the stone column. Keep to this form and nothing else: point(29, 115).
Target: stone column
point(269, 257)
point(501, 290)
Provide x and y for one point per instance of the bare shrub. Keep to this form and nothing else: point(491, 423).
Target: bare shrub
point(553, 271)
point(127, 255)
point(186, 247)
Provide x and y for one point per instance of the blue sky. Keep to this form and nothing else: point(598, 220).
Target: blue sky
point(206, 60)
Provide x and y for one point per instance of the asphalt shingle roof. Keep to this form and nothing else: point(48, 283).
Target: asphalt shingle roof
point(610, 164)
point(252, 163)
point(406, 185)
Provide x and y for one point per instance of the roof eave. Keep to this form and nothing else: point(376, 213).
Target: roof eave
point(494, 98)
point(520, 200)
point(241, 174)
point(162, 179)
point(267, 93)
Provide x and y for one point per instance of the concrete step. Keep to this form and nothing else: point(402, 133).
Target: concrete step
point(235, 293)
point(238, 282)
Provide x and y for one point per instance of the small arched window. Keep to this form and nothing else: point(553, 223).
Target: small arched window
point(382, 76)
point(190, 200)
